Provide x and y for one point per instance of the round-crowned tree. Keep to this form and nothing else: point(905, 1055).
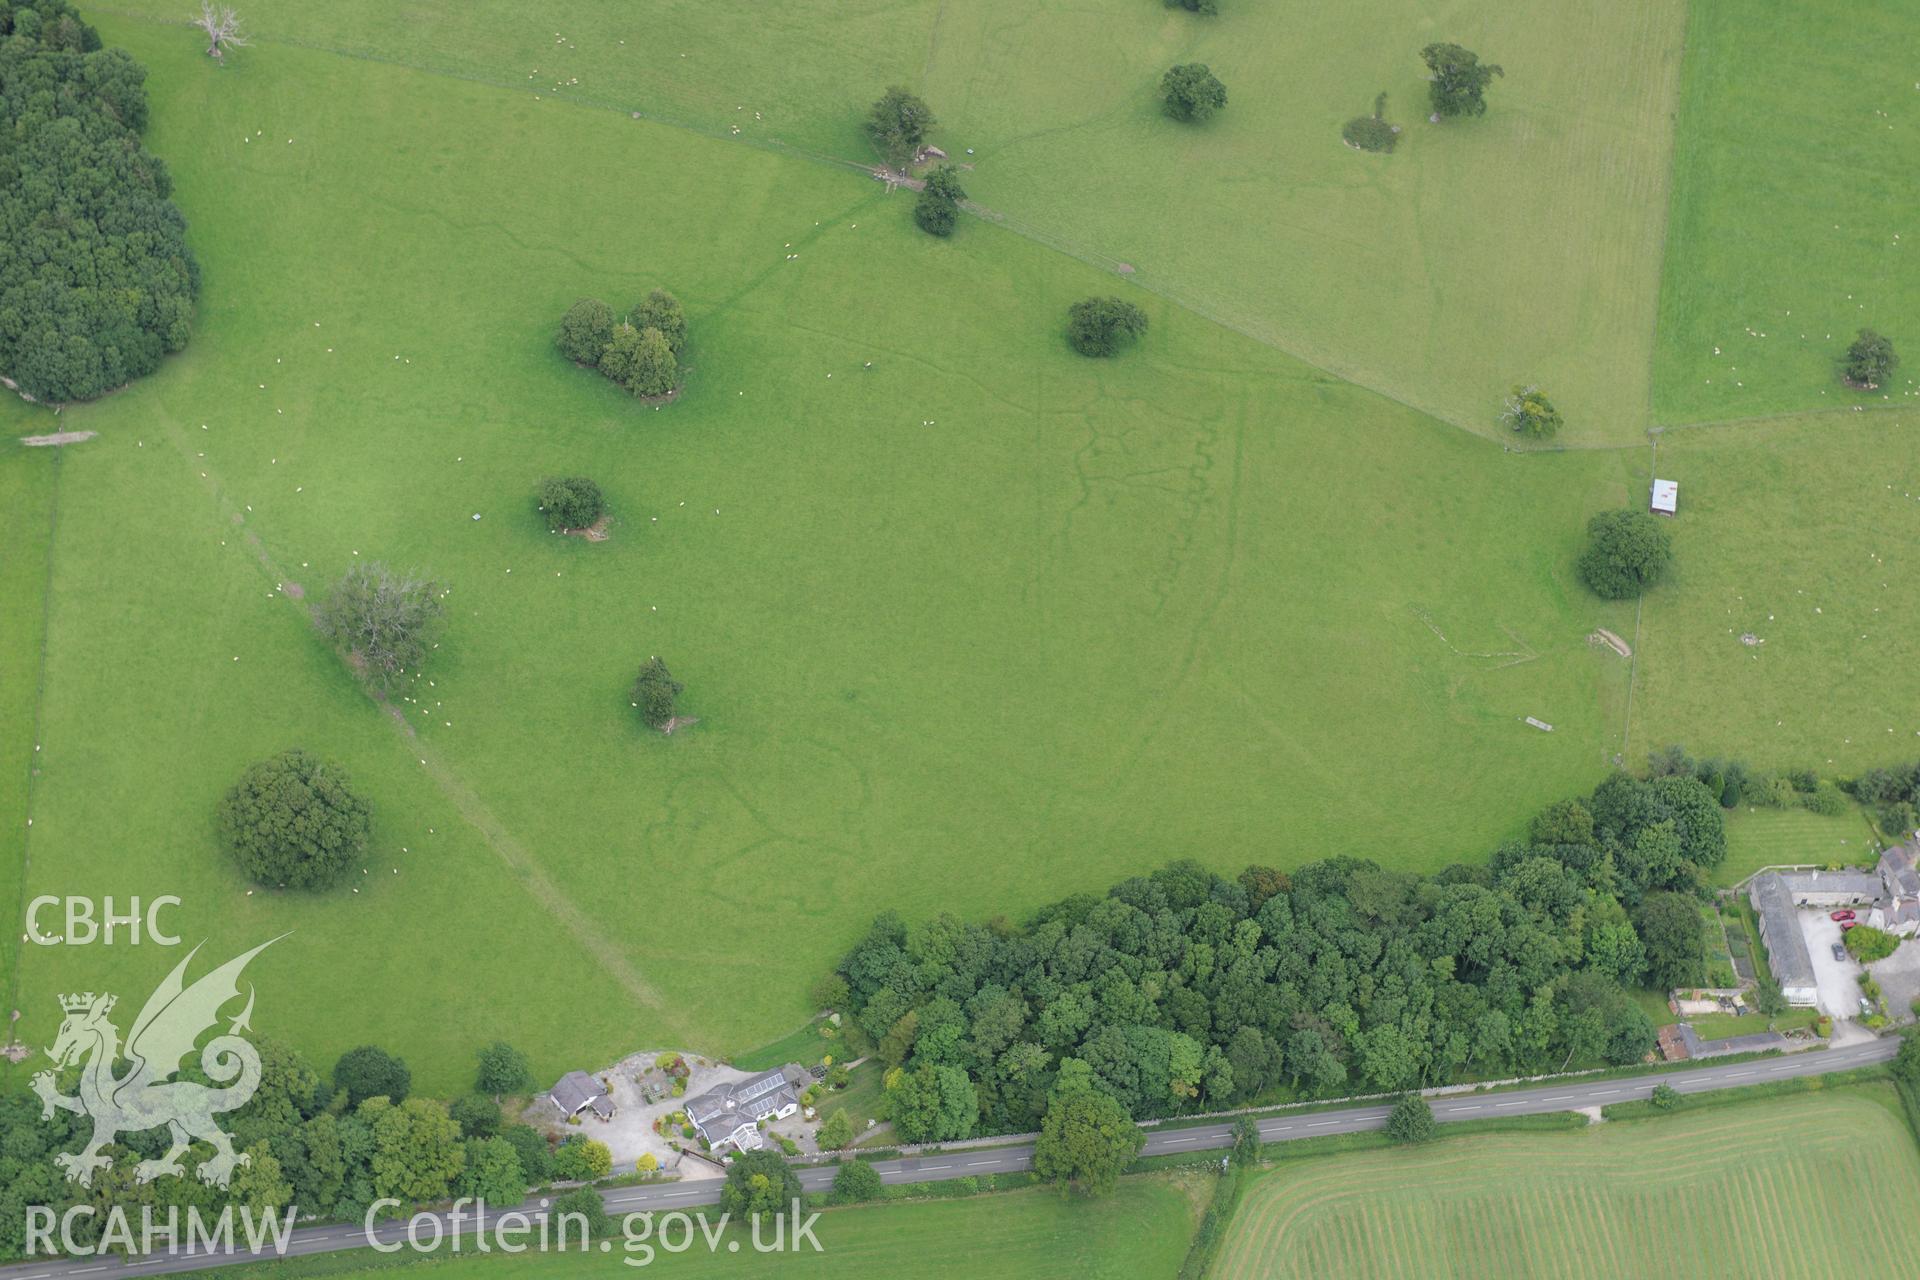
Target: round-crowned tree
point(938, 209)
point(371, 1072)
point(641, 361)
point(1101, 326)
point(1192, 92)
point(1870, 360)
point(294, 821)
point(661, 310)
point(503, 1069)
point(571, 502)
point(585, 331)
point(1627, 552)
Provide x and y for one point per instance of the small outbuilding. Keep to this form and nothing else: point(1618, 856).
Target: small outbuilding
point(577, 1092)
point(1666, 497)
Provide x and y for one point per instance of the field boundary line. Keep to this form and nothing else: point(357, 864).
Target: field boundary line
point(466, 802)
point(1639, 612)
point(39, 707)
point(1760, 419)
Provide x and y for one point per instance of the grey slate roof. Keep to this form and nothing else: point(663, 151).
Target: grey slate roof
point(576, 1091)
point(1786, 949)
point(1897, 869)
point(1859, 884)
point(746, 1100)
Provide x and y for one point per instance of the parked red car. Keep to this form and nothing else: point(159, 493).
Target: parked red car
point(1849, 924)
point(1841, 915)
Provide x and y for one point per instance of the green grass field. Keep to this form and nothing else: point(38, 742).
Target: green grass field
point(1791, 227)
point(969, 622)
point(1759, 838)
point(1203, 600)
point(28, 480)
point(1521, 247)
point(1140, 1231)
point(1774, 1189)
point(1801, 533)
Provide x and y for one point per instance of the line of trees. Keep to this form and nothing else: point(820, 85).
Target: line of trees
point(1185, 991)
point(97, 283)
point(326, 1146)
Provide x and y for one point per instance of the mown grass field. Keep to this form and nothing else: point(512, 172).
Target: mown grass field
point(978, 626)
point(1792, 223)
point(1140, 1231)
point(1759, 838)
point(1522, 247)
point(1801, 533)
point(1775, 1189)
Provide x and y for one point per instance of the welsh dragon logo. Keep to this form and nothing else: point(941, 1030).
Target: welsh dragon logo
point(146, 1097)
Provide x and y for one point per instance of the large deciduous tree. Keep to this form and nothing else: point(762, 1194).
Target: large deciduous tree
point(585, 331)
point(503, 1069)
point(1870, 360)
point(759, 1182)
point(640, 361)
point(570, 502)
point(1102, 326)
point(371, 1072)
point(383, 622)
point(1191, 92)
point(938, 208)
point(1671, 934)
point(294, 821)
point(661, 310)
point(1087, 1138)
point(1626, 552)
point(1460, 79)
point(898, 124)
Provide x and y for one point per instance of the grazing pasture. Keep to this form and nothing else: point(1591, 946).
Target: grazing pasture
point(969, 622)
point(1520, 247)
point(1801, 534)
point(1773, 1188)
point(1792, 222)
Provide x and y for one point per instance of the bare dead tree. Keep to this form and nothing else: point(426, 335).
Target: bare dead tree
point(222, 26)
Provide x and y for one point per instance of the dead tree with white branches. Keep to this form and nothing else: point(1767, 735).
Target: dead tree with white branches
point(222, 27)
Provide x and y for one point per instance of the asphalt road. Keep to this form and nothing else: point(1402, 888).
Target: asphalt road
point(973, 1161)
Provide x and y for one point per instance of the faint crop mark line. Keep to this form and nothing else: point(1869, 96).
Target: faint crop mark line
point(39, 704)
point(465, 801)
point(1514, 657)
